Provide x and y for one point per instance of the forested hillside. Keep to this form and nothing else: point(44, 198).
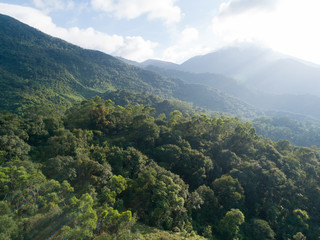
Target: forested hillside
point(301, 133)
point(290, 103)
point(98, 170)
point(216, 81)
point(38, 69)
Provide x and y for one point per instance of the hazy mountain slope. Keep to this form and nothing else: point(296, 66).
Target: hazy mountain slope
point(287, 76)
point(300, 104)
point(260, 68)
point(159, 63)
point(283, 85)
point(36, 68)
point(215, 81)
point(130, 62)
point(290, 103)
point(236, 62)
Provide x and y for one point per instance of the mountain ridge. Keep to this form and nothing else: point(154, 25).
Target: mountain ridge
point(262, 88)
point(258, 67)
point(37, 68)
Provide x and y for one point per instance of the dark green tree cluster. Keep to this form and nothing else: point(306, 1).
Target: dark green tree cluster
point(94, 171)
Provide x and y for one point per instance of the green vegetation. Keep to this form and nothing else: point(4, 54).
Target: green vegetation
point(162, 106)
point(104, 171)
point(294, 103)
point(301, 133)
point(143, 232)
point(37, 69)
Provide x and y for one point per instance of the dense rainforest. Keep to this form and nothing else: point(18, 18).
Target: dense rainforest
point(105, 171)
point(94, 148)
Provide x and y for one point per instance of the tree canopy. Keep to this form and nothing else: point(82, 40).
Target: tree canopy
point(98, 169)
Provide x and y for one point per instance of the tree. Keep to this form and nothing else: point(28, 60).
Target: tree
point(113, 223)
point(61, 167)
point(63, 143)
point(13, 147)
point(230, 224)
point(8, 225)
point(175, 116)
point(229, 192)
point(242, 139)
point(299, 220)
point(83, 217)
point(299, 236)
point(190, 164)
point(115, 186)
point(260, 230)
point(159, 196)
point(204, 208)
point(227, 160)
point(126, 162)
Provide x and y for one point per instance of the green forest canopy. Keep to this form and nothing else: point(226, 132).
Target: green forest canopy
point(99, 168)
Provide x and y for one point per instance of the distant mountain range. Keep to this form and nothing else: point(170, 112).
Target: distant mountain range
point(260, 68)
point(36, 68)
point(263, 78)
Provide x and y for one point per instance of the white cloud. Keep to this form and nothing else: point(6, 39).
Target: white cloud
point(136, 48)
point(290, 27)
point(92, 39)
point(187, 46)
point(130, 9)
point(49, 5)
point(189, 34)
point(132, 47)
point(29, 16)
point(178, 54)
point(240, 6)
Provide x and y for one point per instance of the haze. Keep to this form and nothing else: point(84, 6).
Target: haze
point(173, 30)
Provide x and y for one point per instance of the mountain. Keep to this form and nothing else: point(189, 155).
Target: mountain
point(215, 81)
point(290, 104)
point(260, 68)
point(36, 68)
point(257, 67)
point(33, 64)
point(287, 76)
point(130, 62)
point(239, 62)
point(258, 76)
point(159, 63)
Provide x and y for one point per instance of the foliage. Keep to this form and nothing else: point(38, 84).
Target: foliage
point(230, 223)
point(301, 133)
point(100, 169)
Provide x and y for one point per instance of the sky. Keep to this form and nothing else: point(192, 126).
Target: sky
point(175, 30)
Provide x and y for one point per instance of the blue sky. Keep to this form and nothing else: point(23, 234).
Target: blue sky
point(175, 30)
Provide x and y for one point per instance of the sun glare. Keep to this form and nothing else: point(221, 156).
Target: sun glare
point(291, 27)
point(296, 29)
